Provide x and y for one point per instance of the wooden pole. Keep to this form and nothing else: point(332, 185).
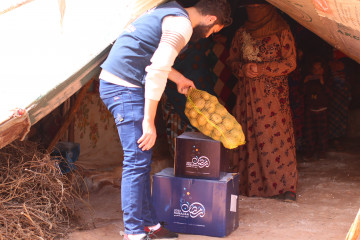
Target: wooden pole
point(70, 115)
point(354, 230)
point(71, 129)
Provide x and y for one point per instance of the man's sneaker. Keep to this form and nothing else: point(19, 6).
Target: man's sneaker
point(161, 233)
point(146, 237)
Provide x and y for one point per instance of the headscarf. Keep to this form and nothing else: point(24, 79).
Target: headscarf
point(271, 24)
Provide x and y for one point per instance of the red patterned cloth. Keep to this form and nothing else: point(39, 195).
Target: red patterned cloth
point(226, 81)
point(267, 163)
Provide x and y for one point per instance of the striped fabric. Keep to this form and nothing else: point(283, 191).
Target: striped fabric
point(174, 39)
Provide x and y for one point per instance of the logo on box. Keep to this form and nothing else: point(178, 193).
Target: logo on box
point(192, 210)
point(198, 162)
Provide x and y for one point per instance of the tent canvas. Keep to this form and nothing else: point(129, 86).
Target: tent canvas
point(48, 54)
point(335, 21)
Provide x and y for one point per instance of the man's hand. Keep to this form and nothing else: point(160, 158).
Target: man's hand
point(148, 138)
point(250, 70)
point(184, 85)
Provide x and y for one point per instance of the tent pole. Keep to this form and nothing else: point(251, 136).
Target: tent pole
point(71, 136)
point(70, 115)
point(354, 230)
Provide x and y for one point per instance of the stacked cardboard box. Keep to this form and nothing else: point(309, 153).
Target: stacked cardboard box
point(198, 156)
point(198, 196)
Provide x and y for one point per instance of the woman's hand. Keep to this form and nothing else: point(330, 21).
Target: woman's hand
point(250, 70)
point(148, 138)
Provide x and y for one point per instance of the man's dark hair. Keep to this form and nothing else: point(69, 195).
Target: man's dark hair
point(219, 8)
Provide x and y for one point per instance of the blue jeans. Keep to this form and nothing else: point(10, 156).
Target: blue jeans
point(127, 106)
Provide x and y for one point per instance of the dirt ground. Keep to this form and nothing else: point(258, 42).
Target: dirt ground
point(328, 201)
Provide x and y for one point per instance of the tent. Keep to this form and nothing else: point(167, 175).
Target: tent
point(50, 49)
point(335, 21)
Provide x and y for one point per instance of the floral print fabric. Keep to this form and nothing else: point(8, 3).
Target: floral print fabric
point(267, 163)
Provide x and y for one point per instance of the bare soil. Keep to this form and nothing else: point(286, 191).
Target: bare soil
point(328, 200)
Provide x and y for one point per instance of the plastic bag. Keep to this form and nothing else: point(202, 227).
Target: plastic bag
point(212, 119)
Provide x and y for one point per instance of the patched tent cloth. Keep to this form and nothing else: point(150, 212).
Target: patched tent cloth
point(51, 48)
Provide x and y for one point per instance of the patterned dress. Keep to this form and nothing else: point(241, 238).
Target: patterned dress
point(267, 162)
point(296, 94)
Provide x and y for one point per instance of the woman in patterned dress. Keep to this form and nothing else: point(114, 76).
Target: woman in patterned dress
point(262, 54)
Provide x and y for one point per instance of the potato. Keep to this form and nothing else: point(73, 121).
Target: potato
point(228, 123)
point(238, 134)
point(193, 113)
point(202, 120)
point(209, 126)
point(229, 143)
point(188, 105)
point(210, 107)
point(199, 103)
point(205, 95)
point(221, 110)
point(194, 94)
point(187, 112)
point(226, 143)
point(215, 137)
point(194, 123)
point(216, 134)
point(207, 132)
point(206, 114)
point(222, 129)
point(216, 118)
point(213, 99)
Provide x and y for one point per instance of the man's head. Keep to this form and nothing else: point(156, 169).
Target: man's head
point(215, 14)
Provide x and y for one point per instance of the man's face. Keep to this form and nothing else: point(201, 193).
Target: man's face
point(204, 31)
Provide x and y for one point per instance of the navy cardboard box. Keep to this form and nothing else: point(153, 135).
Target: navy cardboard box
point(197, 206)
point(199, 156)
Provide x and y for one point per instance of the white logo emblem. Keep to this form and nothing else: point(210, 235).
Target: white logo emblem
point(199, 162)
point(193, 210)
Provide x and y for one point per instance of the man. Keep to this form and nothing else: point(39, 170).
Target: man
point(132, 81)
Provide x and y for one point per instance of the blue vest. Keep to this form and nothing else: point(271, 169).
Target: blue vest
point(134, 48)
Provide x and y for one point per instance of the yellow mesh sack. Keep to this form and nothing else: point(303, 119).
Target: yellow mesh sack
point(212, 119)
